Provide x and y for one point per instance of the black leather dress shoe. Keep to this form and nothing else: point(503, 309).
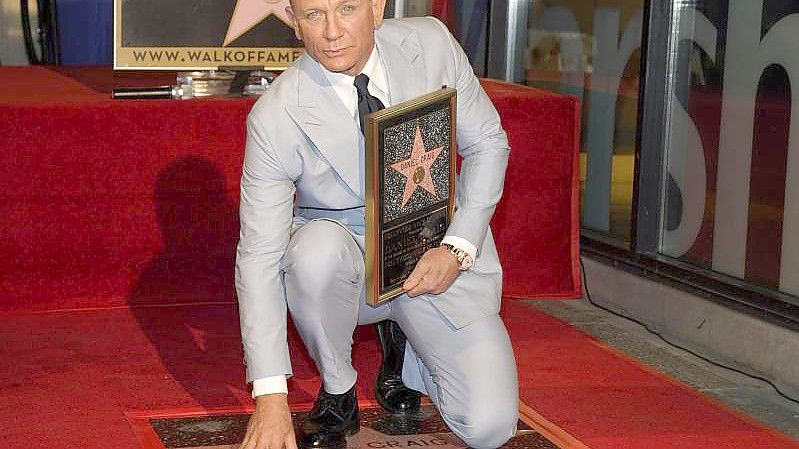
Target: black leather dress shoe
point(391, 393)
point(333, 418)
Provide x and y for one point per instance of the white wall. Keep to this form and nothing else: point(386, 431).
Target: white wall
point(12, 46)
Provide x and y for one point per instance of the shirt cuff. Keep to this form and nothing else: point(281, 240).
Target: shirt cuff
point(269, 385)
point(461, 243)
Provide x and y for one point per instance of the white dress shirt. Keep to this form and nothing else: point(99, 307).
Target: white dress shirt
point(344, 86)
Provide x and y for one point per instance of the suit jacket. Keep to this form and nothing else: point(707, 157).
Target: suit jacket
point(303, 151)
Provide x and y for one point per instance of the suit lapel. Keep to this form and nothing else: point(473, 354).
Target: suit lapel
point(327, 122)
point(404, 63)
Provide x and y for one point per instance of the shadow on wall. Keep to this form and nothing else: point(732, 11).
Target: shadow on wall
point(199, 343)
point(184, 300)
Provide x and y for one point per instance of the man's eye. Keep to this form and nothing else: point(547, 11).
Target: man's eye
point(347, 9)
point(313, 16)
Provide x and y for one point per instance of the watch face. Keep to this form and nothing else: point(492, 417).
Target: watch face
point(468, 260)
point(465, 261)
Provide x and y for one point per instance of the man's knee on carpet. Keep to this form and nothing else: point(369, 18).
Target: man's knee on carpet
point(489, 425)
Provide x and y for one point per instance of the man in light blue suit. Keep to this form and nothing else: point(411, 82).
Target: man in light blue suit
point(302, 228)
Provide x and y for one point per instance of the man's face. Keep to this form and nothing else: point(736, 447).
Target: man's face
point(339, 34)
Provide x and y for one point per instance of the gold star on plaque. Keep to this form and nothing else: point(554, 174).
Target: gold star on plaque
point(249, 13)
point(416, 169)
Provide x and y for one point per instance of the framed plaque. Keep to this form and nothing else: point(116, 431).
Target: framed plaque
point(410, 187)
point(203, 35)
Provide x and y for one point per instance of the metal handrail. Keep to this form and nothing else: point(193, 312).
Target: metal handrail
point(46, 32)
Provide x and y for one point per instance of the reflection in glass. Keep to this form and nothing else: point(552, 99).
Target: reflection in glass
point(592, 50)
point(467, 19)
point(730, 193)
point(588, 49)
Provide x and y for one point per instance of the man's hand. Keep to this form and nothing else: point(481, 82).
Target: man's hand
point(434, 273)
point(270, 427)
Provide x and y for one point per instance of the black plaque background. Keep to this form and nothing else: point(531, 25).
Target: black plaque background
point(198, 23)
point(394, 275)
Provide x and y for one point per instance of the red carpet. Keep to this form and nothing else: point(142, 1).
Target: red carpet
point(107, 207)
point(67, 379)
point(608, 401)
point(128, 206)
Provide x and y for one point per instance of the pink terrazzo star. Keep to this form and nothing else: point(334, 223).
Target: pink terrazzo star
point(249, 13)
point(416, 169)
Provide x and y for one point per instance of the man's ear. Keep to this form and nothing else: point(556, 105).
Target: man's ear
point(294, 23)
point(378, 9)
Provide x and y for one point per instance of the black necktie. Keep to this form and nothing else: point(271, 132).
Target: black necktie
point(366, 102)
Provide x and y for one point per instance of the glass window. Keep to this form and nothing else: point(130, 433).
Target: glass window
point(467, 19)
point(731, 186)
point(418, 8)
point(591, 49)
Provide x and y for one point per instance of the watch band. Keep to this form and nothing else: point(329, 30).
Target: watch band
point(464, 259)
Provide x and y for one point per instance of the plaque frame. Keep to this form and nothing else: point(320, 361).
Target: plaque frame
point(375, 125)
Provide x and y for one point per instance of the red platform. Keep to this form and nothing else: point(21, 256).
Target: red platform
point(110, 202)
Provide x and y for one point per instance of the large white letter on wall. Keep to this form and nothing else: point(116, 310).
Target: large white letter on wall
point(610, 59)
point(747, 56)
point(686, 155)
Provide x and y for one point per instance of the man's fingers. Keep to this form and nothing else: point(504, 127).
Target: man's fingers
point(432, 274)
point(410, 283)
point(411, 286)
point(435, 282)
point(291, 441)
point(416, 277)
point(246, 443)
point(425, 285)
point(287, 441)
point(413, 279)
point(258, 443)
point(421, 286)
point(254, 438)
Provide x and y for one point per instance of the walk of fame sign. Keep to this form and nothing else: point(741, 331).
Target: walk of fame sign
point(410, 193)
point(202, 35)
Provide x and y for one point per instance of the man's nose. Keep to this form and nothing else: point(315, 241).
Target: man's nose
point(333, 28)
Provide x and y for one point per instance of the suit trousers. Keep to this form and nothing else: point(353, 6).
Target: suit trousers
point(469, 373)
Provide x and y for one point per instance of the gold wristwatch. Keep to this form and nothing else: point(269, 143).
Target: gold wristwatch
point(465, 261)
